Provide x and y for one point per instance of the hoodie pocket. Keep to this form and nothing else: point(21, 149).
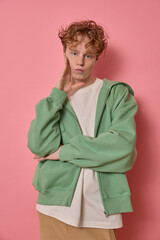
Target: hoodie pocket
point(35, 181)
point(56, 175)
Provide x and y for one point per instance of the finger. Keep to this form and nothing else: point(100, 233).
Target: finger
point(72, 80)
point(66, 68)
point(65, 59)
point(41, 159)
point(36, 156)
point(77, 86)
point(64, 54)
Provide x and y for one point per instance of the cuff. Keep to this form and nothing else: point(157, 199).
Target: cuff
point(57, 95)
point(65, 153)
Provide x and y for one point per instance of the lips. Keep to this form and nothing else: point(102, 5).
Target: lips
point(78, 70)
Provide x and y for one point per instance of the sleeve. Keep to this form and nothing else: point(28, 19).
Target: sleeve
point(113, 150)
point(44, 133)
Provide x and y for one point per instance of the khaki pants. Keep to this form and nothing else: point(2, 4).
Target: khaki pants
point(54, 229)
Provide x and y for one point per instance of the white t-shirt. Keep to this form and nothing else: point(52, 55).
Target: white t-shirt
point(86, 209)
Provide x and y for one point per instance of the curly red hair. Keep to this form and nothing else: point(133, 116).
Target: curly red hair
point(98, 39)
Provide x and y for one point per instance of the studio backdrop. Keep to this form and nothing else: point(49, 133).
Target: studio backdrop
point(31, 60)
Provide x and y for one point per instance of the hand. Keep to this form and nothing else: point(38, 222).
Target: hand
point(52, 156)
point(65, 82)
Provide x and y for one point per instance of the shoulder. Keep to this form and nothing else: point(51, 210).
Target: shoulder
point(118, 87)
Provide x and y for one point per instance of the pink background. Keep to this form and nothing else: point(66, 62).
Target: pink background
point(31, 61)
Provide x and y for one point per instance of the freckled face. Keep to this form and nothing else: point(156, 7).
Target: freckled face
point(81, 62)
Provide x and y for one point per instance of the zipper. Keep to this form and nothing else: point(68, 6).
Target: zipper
point(106, 210)
point(99, 180)
point(103, 110)
point(98, 173)
point(74, 117)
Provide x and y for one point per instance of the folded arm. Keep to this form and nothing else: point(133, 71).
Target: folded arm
point(113, 150)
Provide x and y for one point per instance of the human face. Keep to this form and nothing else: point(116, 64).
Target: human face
point(81, 62)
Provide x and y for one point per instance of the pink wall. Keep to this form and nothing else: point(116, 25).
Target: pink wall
point(31, 61)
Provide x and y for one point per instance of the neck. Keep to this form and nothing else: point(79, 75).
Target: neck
point(87, 82)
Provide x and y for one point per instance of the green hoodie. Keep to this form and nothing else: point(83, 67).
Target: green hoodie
point(111, 152)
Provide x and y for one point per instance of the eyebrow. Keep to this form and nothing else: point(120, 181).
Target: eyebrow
point(72, 49)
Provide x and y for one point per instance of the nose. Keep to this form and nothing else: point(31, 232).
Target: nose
point(80, 60)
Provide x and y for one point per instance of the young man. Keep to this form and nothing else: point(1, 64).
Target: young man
point(84, 137)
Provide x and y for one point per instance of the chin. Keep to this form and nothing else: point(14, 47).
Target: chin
point(78, 77)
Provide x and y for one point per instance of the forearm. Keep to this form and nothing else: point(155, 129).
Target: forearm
point(110, 152)
point(114, 149)
point(44, 135)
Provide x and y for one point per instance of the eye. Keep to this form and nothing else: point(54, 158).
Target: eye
point(74, 53)
point(88, 56)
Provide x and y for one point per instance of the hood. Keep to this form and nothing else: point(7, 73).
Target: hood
point(110, 83)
